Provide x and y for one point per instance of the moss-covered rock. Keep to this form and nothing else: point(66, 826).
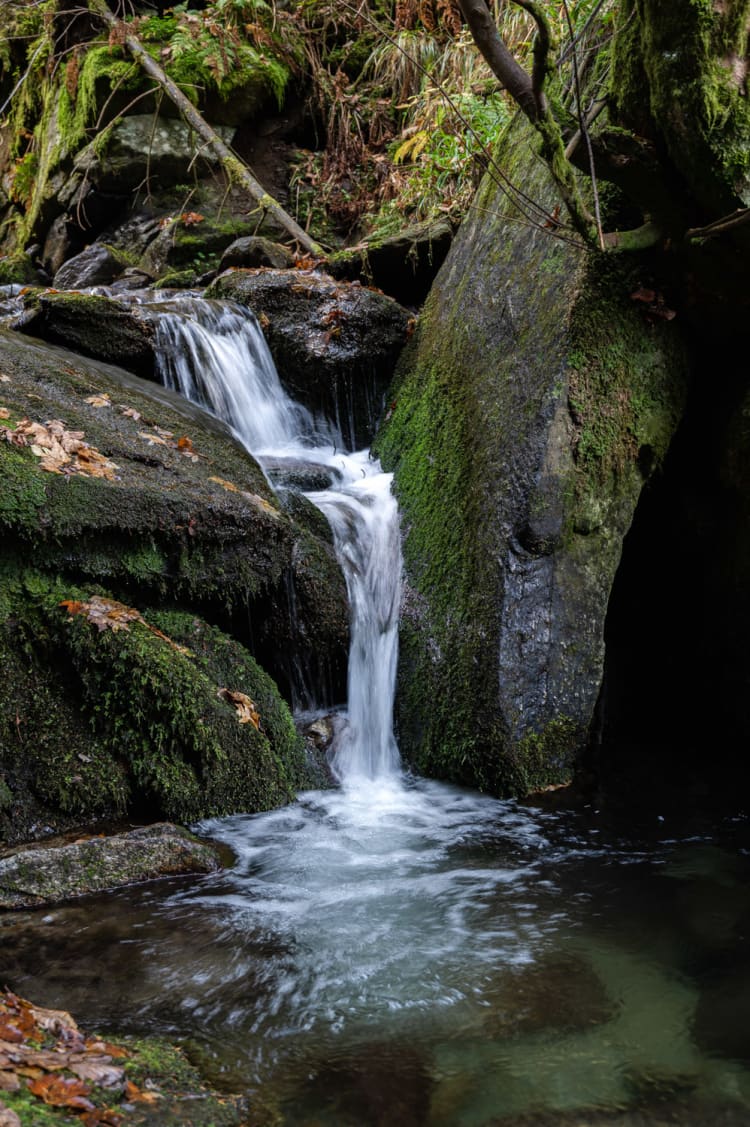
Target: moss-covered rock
point(97, 326)
point(530, 408)
point(49, 874)
point(334, 343)
point(93, 722)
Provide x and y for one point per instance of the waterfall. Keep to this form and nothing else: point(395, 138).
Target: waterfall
point(214, 353)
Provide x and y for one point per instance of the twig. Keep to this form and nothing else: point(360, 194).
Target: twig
point(719, 226)
point(584, 130)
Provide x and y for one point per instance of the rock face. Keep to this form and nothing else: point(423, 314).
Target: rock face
point(334, 343)
point(531, 407)
point(256, 251)
point(135, 578)
point(30, 878)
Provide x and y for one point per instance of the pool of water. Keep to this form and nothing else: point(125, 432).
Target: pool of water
point(406, 953)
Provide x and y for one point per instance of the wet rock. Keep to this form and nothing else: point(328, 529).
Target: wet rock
point(196, 527)
point(256, 251)
point(320, 731)
point(32, 877)
point(293, 473)
point(403, 265)
point(97, 326)
point(514, 432)
point(334, 343)
point(562, 994)
point(97, 265)
point(131, 279)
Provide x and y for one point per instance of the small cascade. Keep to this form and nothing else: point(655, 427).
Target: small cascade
point(214, 353)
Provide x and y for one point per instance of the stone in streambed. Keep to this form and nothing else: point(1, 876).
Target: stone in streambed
point(48, 874)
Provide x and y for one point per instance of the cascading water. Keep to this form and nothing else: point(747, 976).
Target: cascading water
point(399, 951)
point(216, 355)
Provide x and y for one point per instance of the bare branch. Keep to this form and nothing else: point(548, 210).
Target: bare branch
point(509, 73)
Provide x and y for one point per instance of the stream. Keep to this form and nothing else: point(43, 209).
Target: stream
point(399, 951)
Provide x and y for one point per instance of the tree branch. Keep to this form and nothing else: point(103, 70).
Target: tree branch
point(509, 73)
point(233, 166)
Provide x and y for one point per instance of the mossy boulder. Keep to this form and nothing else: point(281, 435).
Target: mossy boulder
point(97, 265)
point(189, 535)
point(530, 409)
point(97, 326)
point(30, 878)
point(334, 343)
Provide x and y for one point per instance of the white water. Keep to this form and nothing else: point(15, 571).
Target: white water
point(214, 353)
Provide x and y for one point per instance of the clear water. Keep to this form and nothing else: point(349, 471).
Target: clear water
point(399, 952)
point(404, 952)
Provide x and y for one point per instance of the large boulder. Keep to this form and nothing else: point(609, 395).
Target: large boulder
point(535, 401)
point(151, 585)
point(334, 343)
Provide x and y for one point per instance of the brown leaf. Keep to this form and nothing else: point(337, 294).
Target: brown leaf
point(185, 444)
point(61, 1091)
point(115, 1051)
point(53, 1021)
point(130, 412)
point(102, 1117)
point(136, 1095)
point(4, 413)
point(98, 1070)
point(102, 400)
point(225, 484)
point(244, 706)
point(153, 439)
point(8, 1118)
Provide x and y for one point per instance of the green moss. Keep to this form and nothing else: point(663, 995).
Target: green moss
point(17, 269)
point(23, 492)
point(160, 735)
point(531, 404)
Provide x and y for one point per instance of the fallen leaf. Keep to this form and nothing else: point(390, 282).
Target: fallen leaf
point(4, 378)
point(108, 614)
point(136, 1095)
point(4, 413)
point(130, 412)
point(101, 1117)
point(244, 706)
point(9, 1082)
point(8, 1118)
point(642, 294)
point(57, 1022)
point(185, 443)
point(225, 484)
point(61, 1091)
point(152, 439)
point(114, 1051)
point(164, 433)
point(102, 400)
point(98, 1071)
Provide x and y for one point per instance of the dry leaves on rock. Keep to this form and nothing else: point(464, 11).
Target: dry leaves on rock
point(130, 412)
point(166, 438)
point(254, 499)
point(60, 450)
point(100, 400)
point(243, 705)
point(108, 614)
point(51, 1046)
